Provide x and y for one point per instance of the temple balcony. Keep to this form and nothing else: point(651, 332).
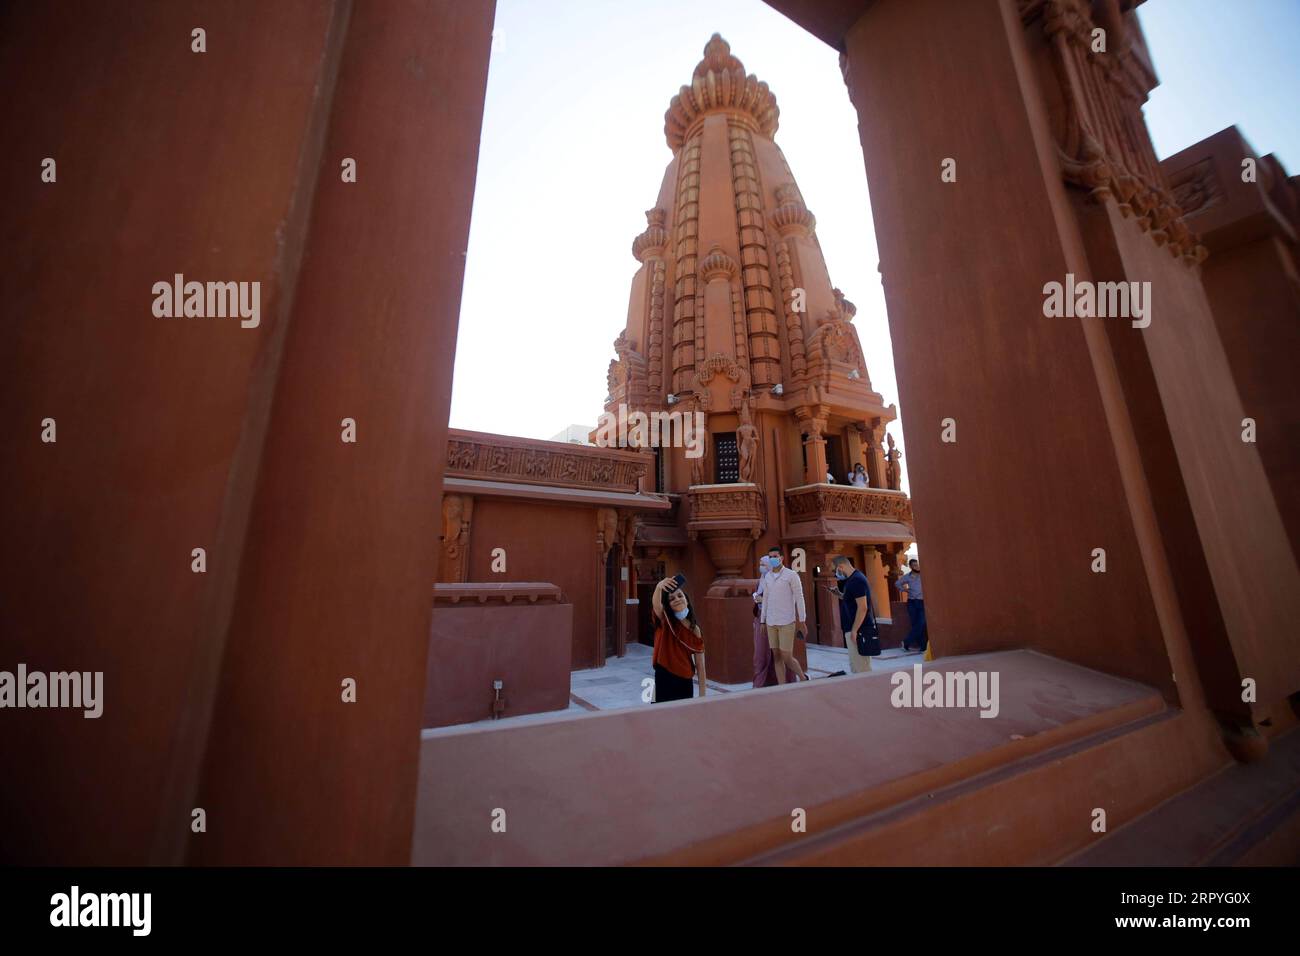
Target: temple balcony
point(846, 513)
point(728, 518)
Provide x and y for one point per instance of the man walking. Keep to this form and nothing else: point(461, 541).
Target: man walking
point(910, 584)
point(783, 613)
point(857, 616)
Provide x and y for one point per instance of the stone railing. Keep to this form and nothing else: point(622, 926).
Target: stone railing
point(504, 458)
point(727, 504)
point(727, 518)
point(808, 502)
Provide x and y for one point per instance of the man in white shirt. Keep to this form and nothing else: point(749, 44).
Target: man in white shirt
point(783, 613)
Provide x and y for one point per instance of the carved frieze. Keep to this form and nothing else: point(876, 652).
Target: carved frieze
point(581, 466)
point(803, 504)
point(719, 364)
point(717, 502)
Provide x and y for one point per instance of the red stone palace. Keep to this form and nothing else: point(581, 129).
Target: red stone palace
point(734, 323)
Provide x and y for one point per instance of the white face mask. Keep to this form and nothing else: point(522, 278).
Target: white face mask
point(681, 615)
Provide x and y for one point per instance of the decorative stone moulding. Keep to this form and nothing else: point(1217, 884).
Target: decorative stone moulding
point(816, 501)
point(515, 592)
point(728, 519)
point(791, 217)
point(1102, 140)
point(717, 265)
point(720, 83)
point(498, 458)
point(719, 364)
point(654, 239)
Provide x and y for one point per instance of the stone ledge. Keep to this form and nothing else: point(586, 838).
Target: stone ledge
point(708, 781)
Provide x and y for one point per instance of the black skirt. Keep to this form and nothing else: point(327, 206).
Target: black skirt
point(668, 686)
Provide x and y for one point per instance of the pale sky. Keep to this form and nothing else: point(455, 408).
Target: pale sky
point(573, 153)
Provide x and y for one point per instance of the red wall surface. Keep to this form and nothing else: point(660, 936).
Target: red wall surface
point(222, 689)
point(545, 542)
point(514, 633)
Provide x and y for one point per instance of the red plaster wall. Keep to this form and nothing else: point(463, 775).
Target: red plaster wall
point(1256, 305)
point(1224, 532)
point(546, 542)
point(1033, 482)
point(523, 644)
point(222, 690)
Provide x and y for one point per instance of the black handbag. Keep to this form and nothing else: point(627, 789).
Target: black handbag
point(868, 636)
point(868, 643)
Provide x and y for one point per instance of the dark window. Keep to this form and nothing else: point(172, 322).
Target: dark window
point(836, 458)
point(726, 461)
point(659, 469)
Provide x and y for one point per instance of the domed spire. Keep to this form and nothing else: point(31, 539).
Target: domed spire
point(720, 83)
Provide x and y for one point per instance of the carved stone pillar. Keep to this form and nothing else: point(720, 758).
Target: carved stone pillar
point(728, 519)
point(874, 570)
point(892, 559)
point(815, 446)
point(826, 618)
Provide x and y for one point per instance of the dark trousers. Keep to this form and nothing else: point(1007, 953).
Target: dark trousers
point(670, 686)
point(917, 636)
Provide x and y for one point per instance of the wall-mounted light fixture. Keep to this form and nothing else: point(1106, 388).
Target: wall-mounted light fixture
point(672, 399)
point(853, 373)
point(778, 389)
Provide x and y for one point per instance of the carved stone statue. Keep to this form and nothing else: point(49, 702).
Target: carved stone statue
point(747, 444)
point(456, 512)
point(699, 474)
point(606, 529)
point(893, 475)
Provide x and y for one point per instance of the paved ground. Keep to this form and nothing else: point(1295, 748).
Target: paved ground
point(619, 684)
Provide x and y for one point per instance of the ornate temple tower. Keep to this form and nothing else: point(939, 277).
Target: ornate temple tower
point(733, 315)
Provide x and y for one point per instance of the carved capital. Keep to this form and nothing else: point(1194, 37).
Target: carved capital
point(791, 217)
point(717, 265)
point(651, 243)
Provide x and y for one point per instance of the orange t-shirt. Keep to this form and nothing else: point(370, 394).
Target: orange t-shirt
point(675, 642)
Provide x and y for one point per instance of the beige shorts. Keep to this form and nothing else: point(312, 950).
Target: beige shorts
point(781, 636)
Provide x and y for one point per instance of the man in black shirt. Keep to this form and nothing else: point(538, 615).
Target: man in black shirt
point(857, 616)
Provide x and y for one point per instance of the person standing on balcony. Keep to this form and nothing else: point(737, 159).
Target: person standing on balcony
point(782, 614)
point(679, 645)
point(858, 477)
point(910, 584)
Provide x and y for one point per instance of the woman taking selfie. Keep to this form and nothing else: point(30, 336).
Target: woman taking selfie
point(679, 646)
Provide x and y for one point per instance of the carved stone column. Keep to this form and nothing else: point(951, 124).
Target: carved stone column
point(874, 570)
point(815, 445)
point(728, 519)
